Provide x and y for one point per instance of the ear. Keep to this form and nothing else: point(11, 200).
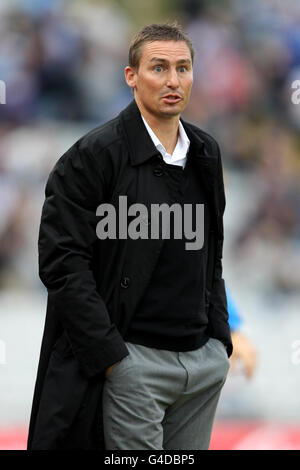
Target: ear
point(130, 76)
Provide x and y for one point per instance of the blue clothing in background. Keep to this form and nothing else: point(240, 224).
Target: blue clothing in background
point(235, 320)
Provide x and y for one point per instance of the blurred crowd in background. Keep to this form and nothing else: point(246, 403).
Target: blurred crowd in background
point(63, 65)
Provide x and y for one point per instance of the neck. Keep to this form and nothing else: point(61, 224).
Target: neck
point(166, 129)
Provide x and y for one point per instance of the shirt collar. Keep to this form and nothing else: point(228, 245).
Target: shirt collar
point(182, 145)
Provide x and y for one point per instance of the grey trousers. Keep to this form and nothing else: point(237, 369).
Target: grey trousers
point(164, 400)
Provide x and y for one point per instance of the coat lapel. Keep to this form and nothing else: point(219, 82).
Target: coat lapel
point(206, 165)
point(139, 142)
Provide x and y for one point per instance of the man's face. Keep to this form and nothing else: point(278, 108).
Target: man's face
point(164, 78)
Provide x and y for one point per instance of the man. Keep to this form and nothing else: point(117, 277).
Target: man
point(136, 340)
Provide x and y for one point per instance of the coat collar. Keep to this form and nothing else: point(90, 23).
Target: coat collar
point(140, 144)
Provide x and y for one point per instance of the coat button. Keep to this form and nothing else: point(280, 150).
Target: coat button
point(158, 171)
point(125, 282)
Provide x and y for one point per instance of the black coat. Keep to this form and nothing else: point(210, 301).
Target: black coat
point(95, 285)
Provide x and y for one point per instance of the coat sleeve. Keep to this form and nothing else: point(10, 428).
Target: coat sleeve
point(67, 234)
point(217, 312)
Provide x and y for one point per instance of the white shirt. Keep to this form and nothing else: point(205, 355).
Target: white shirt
point(178, 157)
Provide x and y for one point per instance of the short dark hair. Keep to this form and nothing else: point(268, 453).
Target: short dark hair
point(156, 32)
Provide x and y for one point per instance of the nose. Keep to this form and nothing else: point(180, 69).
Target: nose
point(172, 79)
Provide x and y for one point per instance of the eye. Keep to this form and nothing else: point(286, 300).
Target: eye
point(158, 68)
point(182, 68)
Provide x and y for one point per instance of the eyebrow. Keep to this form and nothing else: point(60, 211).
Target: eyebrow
point(181, 61)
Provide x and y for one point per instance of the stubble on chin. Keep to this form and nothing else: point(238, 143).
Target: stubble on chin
point(171, 112)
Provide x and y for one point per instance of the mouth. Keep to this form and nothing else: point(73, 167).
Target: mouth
point(171, 98)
